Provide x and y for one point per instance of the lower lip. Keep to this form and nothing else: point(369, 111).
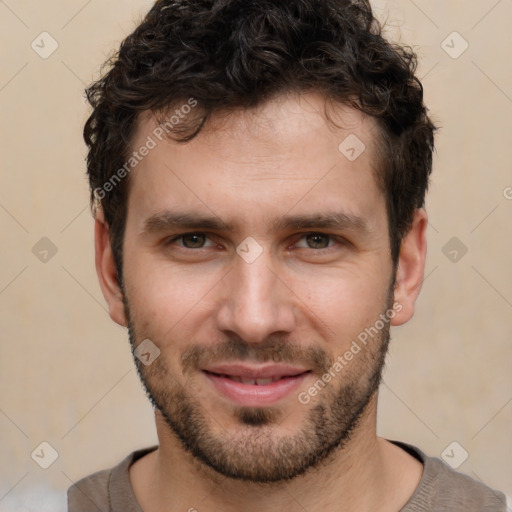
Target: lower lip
point(252, 395)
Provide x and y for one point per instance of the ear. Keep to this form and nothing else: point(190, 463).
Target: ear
point(411, 267)
point(106, 270)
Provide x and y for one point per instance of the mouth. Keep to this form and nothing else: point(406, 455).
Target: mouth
point(253, 381)
point(253, 386)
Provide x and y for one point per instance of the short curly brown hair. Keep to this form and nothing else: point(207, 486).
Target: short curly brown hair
point(238, 54)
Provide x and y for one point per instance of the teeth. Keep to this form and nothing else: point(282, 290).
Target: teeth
point(252, 381)
point(263, 382)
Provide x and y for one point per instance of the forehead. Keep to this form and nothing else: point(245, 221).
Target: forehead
point(283, 155)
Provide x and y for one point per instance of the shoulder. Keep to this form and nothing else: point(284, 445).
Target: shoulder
point(463, 492)
point(106, 490)
point(90, 493)
point(445, 490)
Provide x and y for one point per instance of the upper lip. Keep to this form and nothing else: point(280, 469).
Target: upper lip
point(255, 372)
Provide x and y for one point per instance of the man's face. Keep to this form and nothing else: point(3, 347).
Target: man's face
point(250, 310)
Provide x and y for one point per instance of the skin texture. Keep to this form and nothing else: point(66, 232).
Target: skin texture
point(303, 301)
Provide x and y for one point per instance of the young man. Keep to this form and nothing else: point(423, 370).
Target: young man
point(258, 172)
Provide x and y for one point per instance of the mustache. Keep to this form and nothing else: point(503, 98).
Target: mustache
point(273, 349)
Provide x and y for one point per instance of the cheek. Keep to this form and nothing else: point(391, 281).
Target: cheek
point(345, 301)
point(164, 297)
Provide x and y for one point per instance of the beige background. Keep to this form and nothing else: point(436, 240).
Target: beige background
point(66, 372)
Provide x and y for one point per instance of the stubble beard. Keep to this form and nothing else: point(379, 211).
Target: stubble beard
point(252, 450)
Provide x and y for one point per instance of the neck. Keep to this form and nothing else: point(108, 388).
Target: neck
point(367, 473)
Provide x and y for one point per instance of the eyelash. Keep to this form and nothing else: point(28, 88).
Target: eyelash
point(332, 238)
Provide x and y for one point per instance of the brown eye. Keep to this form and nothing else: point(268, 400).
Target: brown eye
point(193, 240)
point(316, 241)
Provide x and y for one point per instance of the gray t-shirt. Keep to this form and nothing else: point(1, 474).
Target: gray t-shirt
point(441, 489)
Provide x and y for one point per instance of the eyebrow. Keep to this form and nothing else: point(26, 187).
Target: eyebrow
point(171, 220)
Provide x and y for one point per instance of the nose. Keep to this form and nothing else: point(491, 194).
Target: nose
point(256, 302)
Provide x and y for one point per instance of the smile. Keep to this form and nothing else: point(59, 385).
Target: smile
point(255, 386)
